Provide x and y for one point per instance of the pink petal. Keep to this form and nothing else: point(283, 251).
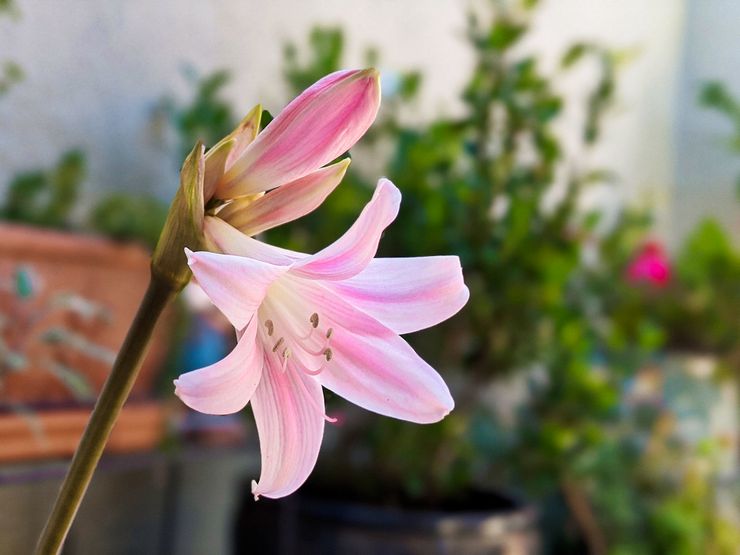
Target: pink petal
point(236, 285)
point(244, 134)
point(226, 386)
point(230, 148)
point(215, 166)
point(371, 365)
point(407, 294)
point(287, 203)
point(319, 125)
point(352, 252)
point(229, 240)
point(288, 411)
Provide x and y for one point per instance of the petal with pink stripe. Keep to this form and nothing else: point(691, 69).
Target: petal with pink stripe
point(288, 410)
point(322, 123)
point(235, 284)
point(352, 252)
point(407, 294)
point(286, 203)
point(226, 386)
point(371, 366)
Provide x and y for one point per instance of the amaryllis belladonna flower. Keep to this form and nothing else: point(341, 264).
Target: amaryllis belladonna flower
point(651, 266)
point(258, 181)
point(331, 320)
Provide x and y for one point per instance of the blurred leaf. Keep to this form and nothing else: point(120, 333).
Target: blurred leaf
point(326, 45)
point(504, 34)
point(46, 198)
point(75, 382)
point(129, 218)
point(573, 54)
point(10, 74)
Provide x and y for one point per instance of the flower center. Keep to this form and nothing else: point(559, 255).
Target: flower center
point(302, 342)
point(294, 347)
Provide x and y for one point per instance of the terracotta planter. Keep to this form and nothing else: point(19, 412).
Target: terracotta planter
point(110, 275)
point(56, 433)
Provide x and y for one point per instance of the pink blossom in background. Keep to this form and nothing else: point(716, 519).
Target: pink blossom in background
point(651, 265)
point(331, 320)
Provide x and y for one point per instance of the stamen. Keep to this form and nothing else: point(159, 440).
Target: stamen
point(311, 372)
point(314, 319)
point(328, 354)
point(322, 350)
point(270, 327)
point(286, 356)
point(277, 345)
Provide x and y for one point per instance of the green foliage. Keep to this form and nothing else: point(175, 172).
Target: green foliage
point(475, 186)
point(326, 47)
point(46, 198)
point(600, 99)
point(10, 74)
point(714, 95)
point(658, 495)
point(700, 309)
point(129, 218)
point(49, 198)
point(207, 117)
point(7, 7)
point(569, 333)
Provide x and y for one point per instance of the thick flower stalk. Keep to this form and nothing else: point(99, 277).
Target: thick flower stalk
point(331, 320)
point(252, 180)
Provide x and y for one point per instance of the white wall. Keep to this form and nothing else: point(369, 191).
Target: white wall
point(638, 135)
point(95, 69)
point(706, 171)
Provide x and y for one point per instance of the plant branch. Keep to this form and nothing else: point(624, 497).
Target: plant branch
point(577, 501)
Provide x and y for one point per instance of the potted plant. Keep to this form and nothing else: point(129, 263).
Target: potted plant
point(66, 299)
point(474, 185)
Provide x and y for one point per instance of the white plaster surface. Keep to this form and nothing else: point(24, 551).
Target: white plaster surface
point(94, 71)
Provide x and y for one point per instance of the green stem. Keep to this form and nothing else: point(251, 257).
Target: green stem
point(114, 394)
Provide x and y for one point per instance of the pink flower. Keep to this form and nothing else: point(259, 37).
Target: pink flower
point(331, 320)
point(318, 126)
point(256, 181)
point(651, 265)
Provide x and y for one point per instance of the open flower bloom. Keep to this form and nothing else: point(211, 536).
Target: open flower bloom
point(331, 319)
point(266, 179)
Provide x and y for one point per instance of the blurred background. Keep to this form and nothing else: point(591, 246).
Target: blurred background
point(581, 157)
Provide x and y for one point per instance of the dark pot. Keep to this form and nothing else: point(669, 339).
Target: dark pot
point(309, 526)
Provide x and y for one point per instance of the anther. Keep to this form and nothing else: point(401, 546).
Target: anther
point(270, 327)
point(277, 345)
point(284, 362)
point(328, 354)
point(329, 332)
point(314, 320)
